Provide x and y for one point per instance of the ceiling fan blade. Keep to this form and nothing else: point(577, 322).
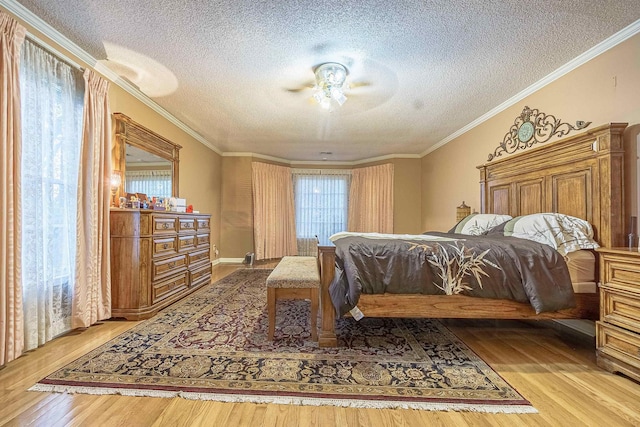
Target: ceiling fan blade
point(359, 84)
point(300, 88)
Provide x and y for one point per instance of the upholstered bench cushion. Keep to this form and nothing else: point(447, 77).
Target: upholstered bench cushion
point(295, 272)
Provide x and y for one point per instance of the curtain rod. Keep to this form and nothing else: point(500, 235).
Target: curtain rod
point(46, 46)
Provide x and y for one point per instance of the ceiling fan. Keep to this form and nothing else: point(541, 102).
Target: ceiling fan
point(330, 84)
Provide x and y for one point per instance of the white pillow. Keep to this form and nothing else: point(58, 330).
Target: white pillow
point(563, 232)
point(479, 224)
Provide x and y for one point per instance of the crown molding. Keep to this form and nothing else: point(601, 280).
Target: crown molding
point(260, 156)
point(54, 35)
point(622, 35)
point(322, 162)
point(360, 162)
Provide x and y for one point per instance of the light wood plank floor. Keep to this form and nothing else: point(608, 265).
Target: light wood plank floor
point(554, 371)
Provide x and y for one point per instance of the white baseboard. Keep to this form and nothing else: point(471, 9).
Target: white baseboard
point(215, 262)
point(231, 260)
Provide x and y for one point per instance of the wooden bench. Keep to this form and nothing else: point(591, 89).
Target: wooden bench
point(295, 277)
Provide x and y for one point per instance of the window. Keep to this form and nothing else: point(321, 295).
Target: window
point(321, 201)
point(150, 182)
point(51, 113)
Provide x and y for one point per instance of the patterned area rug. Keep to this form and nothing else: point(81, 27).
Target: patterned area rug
point(213, 345)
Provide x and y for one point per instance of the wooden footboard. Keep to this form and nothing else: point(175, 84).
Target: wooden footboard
point(326, 263)
point(436, 306)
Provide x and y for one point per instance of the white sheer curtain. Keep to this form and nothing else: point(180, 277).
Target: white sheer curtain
point(52, 99)
point(149, 182)
point(322, 201)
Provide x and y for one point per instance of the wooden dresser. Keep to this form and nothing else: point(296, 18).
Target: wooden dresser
point(618, 331)
point(156, 259)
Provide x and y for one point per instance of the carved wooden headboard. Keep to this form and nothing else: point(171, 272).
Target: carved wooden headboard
point(580, 176)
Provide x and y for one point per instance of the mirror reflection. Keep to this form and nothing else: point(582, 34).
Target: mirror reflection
point(146, 173)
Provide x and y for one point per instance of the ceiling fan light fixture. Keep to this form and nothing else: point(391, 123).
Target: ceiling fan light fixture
point(338, 95)
point(330, 84)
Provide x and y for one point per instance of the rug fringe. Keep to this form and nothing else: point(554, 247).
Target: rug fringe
point(292, 400)
point(374, 404)
point(52, 388)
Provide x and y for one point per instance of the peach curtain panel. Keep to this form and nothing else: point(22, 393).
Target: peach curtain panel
point(11, 320)
point(274, 225)
point(92, 296)
point(371, 199)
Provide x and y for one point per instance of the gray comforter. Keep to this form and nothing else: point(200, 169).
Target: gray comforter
point(491, 266)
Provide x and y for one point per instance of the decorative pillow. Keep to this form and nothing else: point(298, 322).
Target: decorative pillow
point(563, 232)
point(478, 224)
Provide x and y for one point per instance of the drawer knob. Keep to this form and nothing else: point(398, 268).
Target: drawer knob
point(172, 264)
point(165, 225)
point(165, 246)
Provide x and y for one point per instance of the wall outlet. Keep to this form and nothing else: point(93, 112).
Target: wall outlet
point(216, 252)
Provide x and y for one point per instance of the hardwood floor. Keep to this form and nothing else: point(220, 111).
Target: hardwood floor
point(554, 371)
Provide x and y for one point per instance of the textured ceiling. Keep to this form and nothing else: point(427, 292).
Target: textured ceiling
point(430, 67)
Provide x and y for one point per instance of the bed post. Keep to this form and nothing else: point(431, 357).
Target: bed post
point(326, 262)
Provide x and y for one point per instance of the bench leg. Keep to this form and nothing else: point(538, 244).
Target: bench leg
point(271, 308)
point(314, 314)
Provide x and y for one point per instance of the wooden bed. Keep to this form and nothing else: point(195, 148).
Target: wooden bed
point(580, 176)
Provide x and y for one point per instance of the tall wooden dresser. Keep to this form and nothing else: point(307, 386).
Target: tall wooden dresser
point(618, 331)
point(156, 259)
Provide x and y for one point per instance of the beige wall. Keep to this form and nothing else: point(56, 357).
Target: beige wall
point(588, 93)
point(237, 205)
point(236, 215)
point(407, 209)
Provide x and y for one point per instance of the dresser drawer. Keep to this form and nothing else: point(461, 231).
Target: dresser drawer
point(200, 276)
point(619, 307)
point(186, 243)
point(164, 224)
point(198, 257)
point(618, 343)
point(167, 267)
point(624, 272)
point(165, 288)
point(202, 224)
point(202, 240)
point(163, 246)
point(186, 224)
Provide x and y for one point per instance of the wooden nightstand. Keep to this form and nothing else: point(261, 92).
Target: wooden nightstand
point(618, 331)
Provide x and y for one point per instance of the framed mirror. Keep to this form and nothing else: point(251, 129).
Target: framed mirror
point(147, 162)
point(147, 173)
